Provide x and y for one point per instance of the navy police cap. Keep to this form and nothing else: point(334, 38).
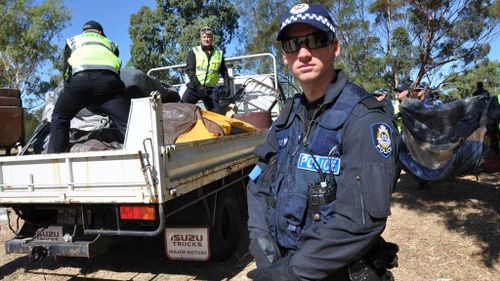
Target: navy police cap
point(381, 91)
point(402, 87)
point(92, 25)
point(314, 15)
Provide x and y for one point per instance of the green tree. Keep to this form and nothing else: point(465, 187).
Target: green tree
point(359, 52)
point(397, 58)
point(260, 23)
point(31, 121)
point(361, 49)
point(26, 32)
point(454, 33)
point(163, 36)
point(464, 84)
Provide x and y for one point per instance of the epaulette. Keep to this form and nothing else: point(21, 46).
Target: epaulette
point(372, 103)
point(285, 112)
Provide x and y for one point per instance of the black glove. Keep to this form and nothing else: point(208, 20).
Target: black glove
point(278, 271)
point(265, 251)
point(201, 92)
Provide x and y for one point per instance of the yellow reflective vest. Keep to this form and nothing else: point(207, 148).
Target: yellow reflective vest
point(395, 104)
point(399, 120)
point(207, 69)
point(91, 50)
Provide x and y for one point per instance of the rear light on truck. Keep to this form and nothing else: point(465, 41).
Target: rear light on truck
point(132, 212)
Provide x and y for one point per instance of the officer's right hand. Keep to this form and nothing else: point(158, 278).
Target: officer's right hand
point(278, 271)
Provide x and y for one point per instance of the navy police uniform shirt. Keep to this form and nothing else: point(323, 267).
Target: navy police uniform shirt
point(354, 141)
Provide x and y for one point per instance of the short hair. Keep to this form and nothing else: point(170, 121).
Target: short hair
point(480, 85)
point(205, 30)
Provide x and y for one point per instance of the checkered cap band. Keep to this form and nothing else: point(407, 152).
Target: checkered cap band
point(308, 16)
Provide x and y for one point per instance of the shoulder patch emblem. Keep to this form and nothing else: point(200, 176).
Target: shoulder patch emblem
point(381, 138)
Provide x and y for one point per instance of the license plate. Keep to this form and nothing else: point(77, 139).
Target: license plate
point(187, 244)
point(49, 234)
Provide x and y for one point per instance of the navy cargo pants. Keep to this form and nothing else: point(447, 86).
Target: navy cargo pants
point(209, 96)
point(102, 89)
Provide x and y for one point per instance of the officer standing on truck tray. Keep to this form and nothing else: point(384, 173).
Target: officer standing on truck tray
point(320, 194)
point(205, 64)
point(91, 70)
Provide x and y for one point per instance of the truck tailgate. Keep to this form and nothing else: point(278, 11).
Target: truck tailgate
point(90, 177)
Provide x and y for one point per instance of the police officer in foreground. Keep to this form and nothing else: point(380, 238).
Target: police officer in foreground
point(319, 197)
point(205, 64)
point(91, 71)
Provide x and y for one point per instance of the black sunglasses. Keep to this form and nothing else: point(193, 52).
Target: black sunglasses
point(313, 41)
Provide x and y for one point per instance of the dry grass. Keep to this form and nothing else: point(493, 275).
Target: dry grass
point(447, 231)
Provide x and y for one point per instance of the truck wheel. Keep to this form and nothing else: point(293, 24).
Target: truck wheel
point(224, 235)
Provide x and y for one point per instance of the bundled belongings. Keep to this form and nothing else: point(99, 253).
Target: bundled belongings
point(184, 122)
point(92, 129)
point(446, 141)
point(138, 85)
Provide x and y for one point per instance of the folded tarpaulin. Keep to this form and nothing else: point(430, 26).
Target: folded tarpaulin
point(445, 141)
point(183, 122)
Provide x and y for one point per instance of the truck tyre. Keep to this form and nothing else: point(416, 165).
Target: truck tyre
point(224, 234)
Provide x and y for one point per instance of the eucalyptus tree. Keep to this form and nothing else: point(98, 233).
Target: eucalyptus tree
point(26, 33)
point(451, 33)
point(164, 35)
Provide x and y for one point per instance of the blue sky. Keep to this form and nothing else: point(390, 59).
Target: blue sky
point(113, 15)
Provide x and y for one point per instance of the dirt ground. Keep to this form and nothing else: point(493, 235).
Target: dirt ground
point(446, 231)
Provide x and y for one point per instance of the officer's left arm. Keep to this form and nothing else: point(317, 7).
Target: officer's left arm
point(350, 224)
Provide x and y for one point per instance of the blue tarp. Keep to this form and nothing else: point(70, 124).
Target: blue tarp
point(445, 141)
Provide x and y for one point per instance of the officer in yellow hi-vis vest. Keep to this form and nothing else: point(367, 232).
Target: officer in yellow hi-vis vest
point(91, 70)
point(205, 65)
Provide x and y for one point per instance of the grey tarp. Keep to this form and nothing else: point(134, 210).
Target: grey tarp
point(138, 84)
point(90, 124)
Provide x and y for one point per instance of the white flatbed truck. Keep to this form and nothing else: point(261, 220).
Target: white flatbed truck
point(73, 203)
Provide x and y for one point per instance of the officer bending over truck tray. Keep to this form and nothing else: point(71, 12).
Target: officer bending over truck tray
point(91, 70)
point(319, 197)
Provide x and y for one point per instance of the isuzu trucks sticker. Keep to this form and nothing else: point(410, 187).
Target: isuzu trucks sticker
point(187, 244)
point(49, 234)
